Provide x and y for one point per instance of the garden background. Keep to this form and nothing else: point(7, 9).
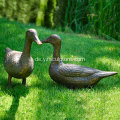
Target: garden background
point(89, 29)
point(99, 17)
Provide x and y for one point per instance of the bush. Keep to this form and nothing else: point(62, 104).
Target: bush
point(2, 6)
point(49, 13)
point(103, 17)
point(76, 15)
point(100, 17)
point(23, 11)
point(59, 14)
point(41, 12)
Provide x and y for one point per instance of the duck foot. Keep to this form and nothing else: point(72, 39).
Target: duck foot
point(24, 81)
point(9, 80)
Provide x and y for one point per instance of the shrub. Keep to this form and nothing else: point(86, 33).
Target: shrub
point(103, 17)
point(49, 13)
point(41, 12)
point(2, 6)
point(59, 13)
point(76, 15)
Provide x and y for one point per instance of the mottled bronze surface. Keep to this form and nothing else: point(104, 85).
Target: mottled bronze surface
point(20, 64)
point(73, 76)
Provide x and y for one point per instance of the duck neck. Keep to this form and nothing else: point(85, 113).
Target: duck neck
point(27, 47)
point(56, 53)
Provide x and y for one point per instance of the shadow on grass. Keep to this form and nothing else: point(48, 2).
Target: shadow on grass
point(16, 91)
point(58, 102)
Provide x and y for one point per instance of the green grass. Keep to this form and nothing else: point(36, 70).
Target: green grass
point(43, 99)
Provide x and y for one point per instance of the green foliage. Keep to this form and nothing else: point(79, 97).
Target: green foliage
point(76, 15)
point(2, 6)
point(9, 8)
point(41, 13)
point(42, 98)
point(100, 17)
point(34, 10)
point(103, 17)
point(59, 14)
point(23, 13)
point(49, 13)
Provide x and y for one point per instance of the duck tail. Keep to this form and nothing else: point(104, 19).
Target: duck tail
point(7, 50)
point(104, 74)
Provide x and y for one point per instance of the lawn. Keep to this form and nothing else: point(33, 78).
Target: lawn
point(42, 98)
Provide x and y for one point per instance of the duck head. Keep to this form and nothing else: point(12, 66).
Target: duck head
point(53, 39)
point(31, 35)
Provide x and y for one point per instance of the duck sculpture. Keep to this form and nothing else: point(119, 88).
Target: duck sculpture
point(20, 64)
point(71, 75)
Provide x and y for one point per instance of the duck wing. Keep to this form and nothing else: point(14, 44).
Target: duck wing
point(71, 70)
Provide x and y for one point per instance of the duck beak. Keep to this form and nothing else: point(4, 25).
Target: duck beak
point(36, 39)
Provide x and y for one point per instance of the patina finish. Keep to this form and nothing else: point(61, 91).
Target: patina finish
point(20, 64)
point(70, 75)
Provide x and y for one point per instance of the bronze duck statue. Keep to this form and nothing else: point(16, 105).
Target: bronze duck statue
point(20, 64)
point(71, 75)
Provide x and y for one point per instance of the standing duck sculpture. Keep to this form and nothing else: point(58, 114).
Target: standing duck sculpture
point(71, 75)
point(20, 64)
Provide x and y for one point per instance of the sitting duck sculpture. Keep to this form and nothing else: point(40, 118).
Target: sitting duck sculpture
point(20, 64)
point(70, 75)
